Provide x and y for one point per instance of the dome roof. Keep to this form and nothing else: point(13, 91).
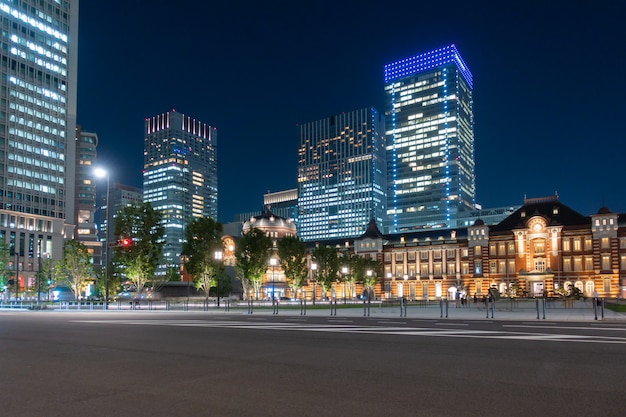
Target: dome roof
point(268, 220)
point(604, 210)
point(479, 222)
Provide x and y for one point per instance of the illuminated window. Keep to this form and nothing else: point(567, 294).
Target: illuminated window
point(604, 242)
point(606, 262)
point(511, 248)
point(566, 245)
point(492, 267)
point(539, 247)
point(567, 264)
point(578, 263)
point(588, 243)
point(511, 268)
point(540, 265)
point(577, 245)
point(588, 263)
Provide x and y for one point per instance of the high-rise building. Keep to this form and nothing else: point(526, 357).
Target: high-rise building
point(37, 130)
point(86, 230)
point(341, 175)
point(430, 140)
point(180, 176)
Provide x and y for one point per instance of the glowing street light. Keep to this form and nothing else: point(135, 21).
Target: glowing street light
point(218, 256)
point(273, 263)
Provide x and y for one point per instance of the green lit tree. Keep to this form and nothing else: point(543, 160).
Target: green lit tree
point(365, 271)
point(327, 266)
point(252, 254)
point(203, 240)
point(292, 254)
point(75, 268)
point(138, 260)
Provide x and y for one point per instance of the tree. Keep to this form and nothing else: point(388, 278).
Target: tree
point(359, 267)
point(45, 274)
point(203, 239)
point(4, 261)
point(292, 254)
point(75, 268)
point(252, 254)
point(327, 266)
point(142, 224)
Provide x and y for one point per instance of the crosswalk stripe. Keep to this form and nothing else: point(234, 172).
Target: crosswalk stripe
point(351, 328)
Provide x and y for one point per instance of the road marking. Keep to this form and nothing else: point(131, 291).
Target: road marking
point(396, 331)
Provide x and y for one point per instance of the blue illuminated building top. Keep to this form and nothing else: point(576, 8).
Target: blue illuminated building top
point(427, 61)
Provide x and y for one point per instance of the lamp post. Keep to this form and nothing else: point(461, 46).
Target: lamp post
point(101, 173)
point(273, 263)
point(368, 273)
point(218, 255)
point(344, 272)
point(39, 272)
point(314, 271)
point(404, 287)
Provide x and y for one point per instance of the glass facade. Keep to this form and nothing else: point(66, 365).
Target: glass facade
point(341, 175)
point(430, 140)
point(180, 176)
point(38, 61)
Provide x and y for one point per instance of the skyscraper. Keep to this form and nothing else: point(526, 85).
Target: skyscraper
point(37, 130)
point(430, 136)
point(86, 230)
point(341, 175)
point(180, 176)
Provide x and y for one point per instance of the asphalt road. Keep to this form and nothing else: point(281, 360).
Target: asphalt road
point(202, 364)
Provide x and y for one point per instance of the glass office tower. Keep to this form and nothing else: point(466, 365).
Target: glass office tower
point(430, 137)
point(37, 132)
point(180, 176)
point(341, 175)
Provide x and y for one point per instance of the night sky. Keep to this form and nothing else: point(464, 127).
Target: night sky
point(549, 85)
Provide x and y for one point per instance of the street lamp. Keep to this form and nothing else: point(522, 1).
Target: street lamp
point(273, 263)
point(369, 281)
point(344, 272)
point(314, 271)
point(218, 255)
point(101, 173)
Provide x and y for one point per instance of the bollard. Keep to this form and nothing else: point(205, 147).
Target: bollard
point(602, 308)
point(544, 302)
point(441, 308)
point(447, 305)
point(537, 307)
point(595, 308)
